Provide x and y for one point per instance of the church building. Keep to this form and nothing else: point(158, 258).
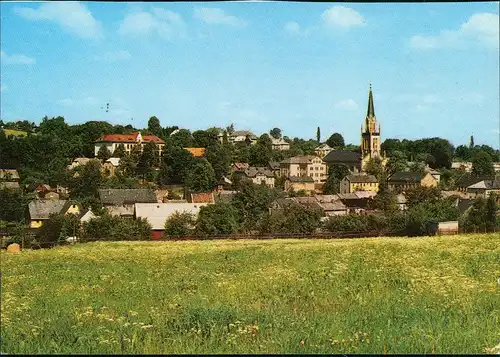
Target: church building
point(370, 135)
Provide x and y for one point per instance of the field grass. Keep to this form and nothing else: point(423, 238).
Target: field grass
point(374, 295)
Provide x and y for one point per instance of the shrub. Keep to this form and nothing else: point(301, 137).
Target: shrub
point(219, 218)
point(293, 218)
point(180, 224)
point(111, 228)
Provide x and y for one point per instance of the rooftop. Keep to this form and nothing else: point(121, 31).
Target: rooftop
point(196, 152)
point(262, 171)
point(118, 197)
point(42, 209)
point(406, 177)
point(342, 156)
point(361, 178)
point(157, 213)
point(300, 179)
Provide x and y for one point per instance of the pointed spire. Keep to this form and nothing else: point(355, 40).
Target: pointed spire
point(371, 110)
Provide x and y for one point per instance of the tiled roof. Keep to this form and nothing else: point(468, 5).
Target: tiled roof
point(157, 213)
point(486, 184)
point(243, 133)
point(118, 197)
point(42, 209)
point(128, 138)
point(342, 156)
point(196, 152)
point(361, 178)
point(241, 165)
point(300, 179)
point(204, 197)
point(254, 171)
point(279, 141)
point(115, 161)
point(406, 177)
point(274, 165)
point(333, 206)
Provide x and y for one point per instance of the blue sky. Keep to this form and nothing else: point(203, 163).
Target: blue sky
point(434, 68)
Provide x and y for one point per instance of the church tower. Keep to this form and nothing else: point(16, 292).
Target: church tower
point(370, 135)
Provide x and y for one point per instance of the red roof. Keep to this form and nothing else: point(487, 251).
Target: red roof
point(205, 197)
point(128, 138)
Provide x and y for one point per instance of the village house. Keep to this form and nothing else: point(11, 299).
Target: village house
point(79, 161)
point(304, 166)
point(436, 174)
point(9, 179)
point(239, 136)
point(158, 213)
point(468, 179)
point(279, 144)
point(120, 202)
point(401, 181)
point(485, 188)
point(196, 152)
point(352, 183)
point(260, 175)
point(202, 197)
point(41, 210)
point(274, 166)
point(322, 150)
point(358, 201)
point(466, 166)
point(240, 166)
point(297, 183)
point(109, 167)
point(348, 158)
point(129, 141)
point(331, 205)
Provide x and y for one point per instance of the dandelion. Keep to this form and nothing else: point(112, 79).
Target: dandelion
point(302, 342)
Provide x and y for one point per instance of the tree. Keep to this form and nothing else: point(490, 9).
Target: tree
point(471, 144)
point(275, 133)
point(384, 201)
point(491, 212)
point(205, 138)
point(200, 177)
point(396, 163)
point(336, 141)
point(463, 152)
point(103, 153)
point(175, 165)
point(180, 224)
point(119, 151)
point(374, 167)
point(219, 218)
point(87, 180)
point(318, 135)
point(127, 166)
point(420, 215)
point(335, 174)
point(482, 165)
point(219, 157)
point(293, 218)
point(182, 138)
point(147, 160)
point(154, 126)
point(14, 206)
point(230, 129)
point(421, 194)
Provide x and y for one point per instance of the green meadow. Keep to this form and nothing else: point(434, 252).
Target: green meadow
point(373, 295)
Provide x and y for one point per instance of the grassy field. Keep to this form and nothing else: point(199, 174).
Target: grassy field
point(394, 295)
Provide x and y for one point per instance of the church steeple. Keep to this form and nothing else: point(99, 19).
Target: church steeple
point(371, 110)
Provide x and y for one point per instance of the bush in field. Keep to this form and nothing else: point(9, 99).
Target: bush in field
point(293, 218)
point(57, 228)
point(112, 228)
point(420, 215)
point(395, 221)
point(219, 218)
point(180, 224)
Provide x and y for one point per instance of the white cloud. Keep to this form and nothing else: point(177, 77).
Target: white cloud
point(15, 59)
point(347, 104)
point(113, 56)
point(343, 17)
point(215, 16)
point(78, 102)
point(165, 23)
point(480, 28)
point(293, 28)
point(72, 16)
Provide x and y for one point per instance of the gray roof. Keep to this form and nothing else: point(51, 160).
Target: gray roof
point(342, 156)
point(361, 178)
point(468, 179)
point(406, 177)
point(274, 165)
point(486, 184)
point(118, 197)
point(243, 133)
point(333, 206)
point(254, 171)
point(42, 209)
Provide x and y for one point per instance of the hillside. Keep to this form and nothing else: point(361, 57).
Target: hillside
point(379, 295)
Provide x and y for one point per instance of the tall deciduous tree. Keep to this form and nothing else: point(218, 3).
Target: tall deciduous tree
point(154, 126)
point(176, 162)
point(336, 141)
point(147, 160)
point(103, 153)
point(275, 133)
point(219, 157)
point(219, 218)
point(482, 165)
point(200, 177)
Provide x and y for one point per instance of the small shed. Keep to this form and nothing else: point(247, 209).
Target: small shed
point(443, 228)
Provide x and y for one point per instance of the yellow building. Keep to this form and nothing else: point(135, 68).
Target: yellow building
point(41, 210)
point(353, 183)
point(296, 183)
point(401, 181)
point(304, 166)
point(370, 135)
